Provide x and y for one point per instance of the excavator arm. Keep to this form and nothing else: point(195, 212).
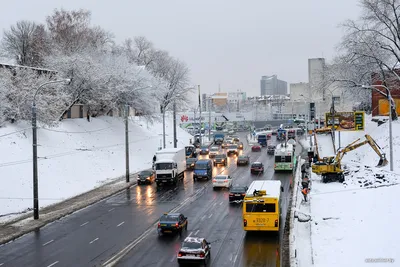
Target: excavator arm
point(382, 161)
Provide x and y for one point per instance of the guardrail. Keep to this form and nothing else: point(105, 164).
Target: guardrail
point(292, 237)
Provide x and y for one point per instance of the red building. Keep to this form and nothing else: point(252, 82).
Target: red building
point(380, 104)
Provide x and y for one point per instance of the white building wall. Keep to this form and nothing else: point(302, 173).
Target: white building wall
point(298, 89)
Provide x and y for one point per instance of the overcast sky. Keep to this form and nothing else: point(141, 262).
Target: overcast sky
point(230, 43)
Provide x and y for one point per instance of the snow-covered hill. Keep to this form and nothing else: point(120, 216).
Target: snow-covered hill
point(74, 157)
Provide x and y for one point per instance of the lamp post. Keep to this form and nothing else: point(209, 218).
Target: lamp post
point(209, 118)
point(34, 146)
point(389, 96)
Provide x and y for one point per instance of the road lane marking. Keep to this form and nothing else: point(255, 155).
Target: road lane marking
point(46, 243)
point(203, 217)
point(113, 260)
point(173, 258)
point(120, 224)
point(1, 263)
point(210, 215)
point(54, 263)
point(214, 204)
point(221, 203)
point(111, 209)
point(234, 260)
point(188, 235)
point(94, 240)
point(196, 232)
point(83, 224)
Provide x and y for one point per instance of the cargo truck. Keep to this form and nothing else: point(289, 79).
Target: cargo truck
point(170, 165)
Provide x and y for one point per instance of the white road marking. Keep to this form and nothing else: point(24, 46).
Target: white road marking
point(94, 240)
point(196, 232)
point(111, 209)
point(54, 263)
point(1, 263)
point(46, 243)
point(83, 224)
point(214, 204)
point(173, 258)
point(190, 233)
point(120, 224)
point(203, 217)
point(234, 260)
point(221, 203)
point(209, 216)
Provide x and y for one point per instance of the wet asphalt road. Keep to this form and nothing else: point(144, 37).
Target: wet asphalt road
point(93, 235)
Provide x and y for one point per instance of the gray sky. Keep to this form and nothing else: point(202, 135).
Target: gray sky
point(227, 42)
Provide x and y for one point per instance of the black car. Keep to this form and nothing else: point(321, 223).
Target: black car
point(243, 160)
point(145, 177)
point(190, 162)
point(172, 223)
point(220, 159)
point(237, 193)
point(257, 167)
point(271, 149)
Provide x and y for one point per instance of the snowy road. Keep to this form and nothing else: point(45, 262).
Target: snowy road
point(92, 236)
point(326, 149)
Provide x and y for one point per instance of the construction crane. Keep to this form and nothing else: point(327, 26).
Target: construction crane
point(330, 168)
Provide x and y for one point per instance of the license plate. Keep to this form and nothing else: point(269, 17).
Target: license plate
point(164, 181)
point(167, 231)
point(163, 225)
point(238, 195)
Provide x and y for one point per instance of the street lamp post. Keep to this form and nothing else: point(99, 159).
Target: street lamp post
point(34, 146)
point(209, 119)
point(389, 96)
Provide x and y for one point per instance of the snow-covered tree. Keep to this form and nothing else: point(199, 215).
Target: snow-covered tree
point(25, 41)
point(17, 89)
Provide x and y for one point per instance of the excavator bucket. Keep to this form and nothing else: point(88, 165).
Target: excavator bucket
point(382, 162)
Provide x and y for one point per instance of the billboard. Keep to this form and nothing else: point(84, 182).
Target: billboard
point(346, 121)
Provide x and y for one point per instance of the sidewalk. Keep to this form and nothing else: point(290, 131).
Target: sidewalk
point(25, 223)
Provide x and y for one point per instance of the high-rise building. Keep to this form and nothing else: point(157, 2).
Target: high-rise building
point(271, 85)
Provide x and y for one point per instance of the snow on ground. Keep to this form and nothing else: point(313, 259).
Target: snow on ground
point(74, 157)
point(327, 149)
point(353, 223)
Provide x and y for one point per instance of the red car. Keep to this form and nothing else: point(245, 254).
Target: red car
point(255, 147)
point(257, 167)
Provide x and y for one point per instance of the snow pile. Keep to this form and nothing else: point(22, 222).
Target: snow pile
point(75, 157)
point(344, 216)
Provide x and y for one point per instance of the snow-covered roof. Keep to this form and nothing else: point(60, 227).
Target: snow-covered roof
point(219, 97)
point(169, 150)
point(272, 188)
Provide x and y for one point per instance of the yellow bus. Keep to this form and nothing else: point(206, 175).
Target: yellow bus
point(262, 206)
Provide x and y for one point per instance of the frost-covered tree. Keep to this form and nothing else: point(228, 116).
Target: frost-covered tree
point(25, 41)
point(17, 89)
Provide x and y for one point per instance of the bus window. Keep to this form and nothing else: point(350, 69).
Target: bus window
point(269, 207)
point(288, 158)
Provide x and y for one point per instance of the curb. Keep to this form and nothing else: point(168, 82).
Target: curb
point(16, 228)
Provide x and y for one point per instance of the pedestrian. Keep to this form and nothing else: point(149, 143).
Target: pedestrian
point(305, 192)
point(305, 182)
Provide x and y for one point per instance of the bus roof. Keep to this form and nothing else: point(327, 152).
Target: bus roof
point(169, 150)
point(281, 149)
point(272, 187)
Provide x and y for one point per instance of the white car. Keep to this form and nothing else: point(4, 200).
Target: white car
point(194, 250)
point(222, 181)
point(214, 150)
point(232, 149)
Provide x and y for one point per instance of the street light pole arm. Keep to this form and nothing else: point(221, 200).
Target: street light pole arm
point(46, 83)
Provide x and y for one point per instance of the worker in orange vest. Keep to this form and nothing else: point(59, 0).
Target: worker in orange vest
point(305, 192)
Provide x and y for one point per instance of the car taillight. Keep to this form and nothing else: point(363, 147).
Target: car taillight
point(274, 165)
point(177, 225)
point(230, 194)
point(225, 180)
point(202, 254)
point(243, 194)
point(245, 222)
point(159, 225)
point(180, 254)
point(276, 223)
point(214, 180)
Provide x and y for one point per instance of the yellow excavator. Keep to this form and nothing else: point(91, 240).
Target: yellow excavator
point(330, 168)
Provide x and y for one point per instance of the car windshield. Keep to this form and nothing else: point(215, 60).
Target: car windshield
point(163, 166)
point(220, 156)
point(214, 148)
point(238, 189)
point(257, 165)
point(242, 157)
point(204, 147)
point(201, 166)
point(169, 218)
point(220, 177)
point(191, 160)
point(145, 173)
point(191, 245)
point(232, 147)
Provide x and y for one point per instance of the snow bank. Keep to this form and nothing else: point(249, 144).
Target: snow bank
point(74, 157)
point(354, 223)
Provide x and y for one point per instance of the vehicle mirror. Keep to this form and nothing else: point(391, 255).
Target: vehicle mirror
point(281, 188)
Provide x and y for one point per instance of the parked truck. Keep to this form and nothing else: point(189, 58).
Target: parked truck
point(170, 165)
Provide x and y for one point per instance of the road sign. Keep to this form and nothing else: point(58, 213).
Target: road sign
point(346, 121)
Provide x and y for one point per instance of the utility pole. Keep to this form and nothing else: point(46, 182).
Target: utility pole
point(174, 111)
point(126, 143)
point(209, 119)
point(390, 130)
point(163, 123)
point(35, 166)
point(333, 123)
point(201, 139)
